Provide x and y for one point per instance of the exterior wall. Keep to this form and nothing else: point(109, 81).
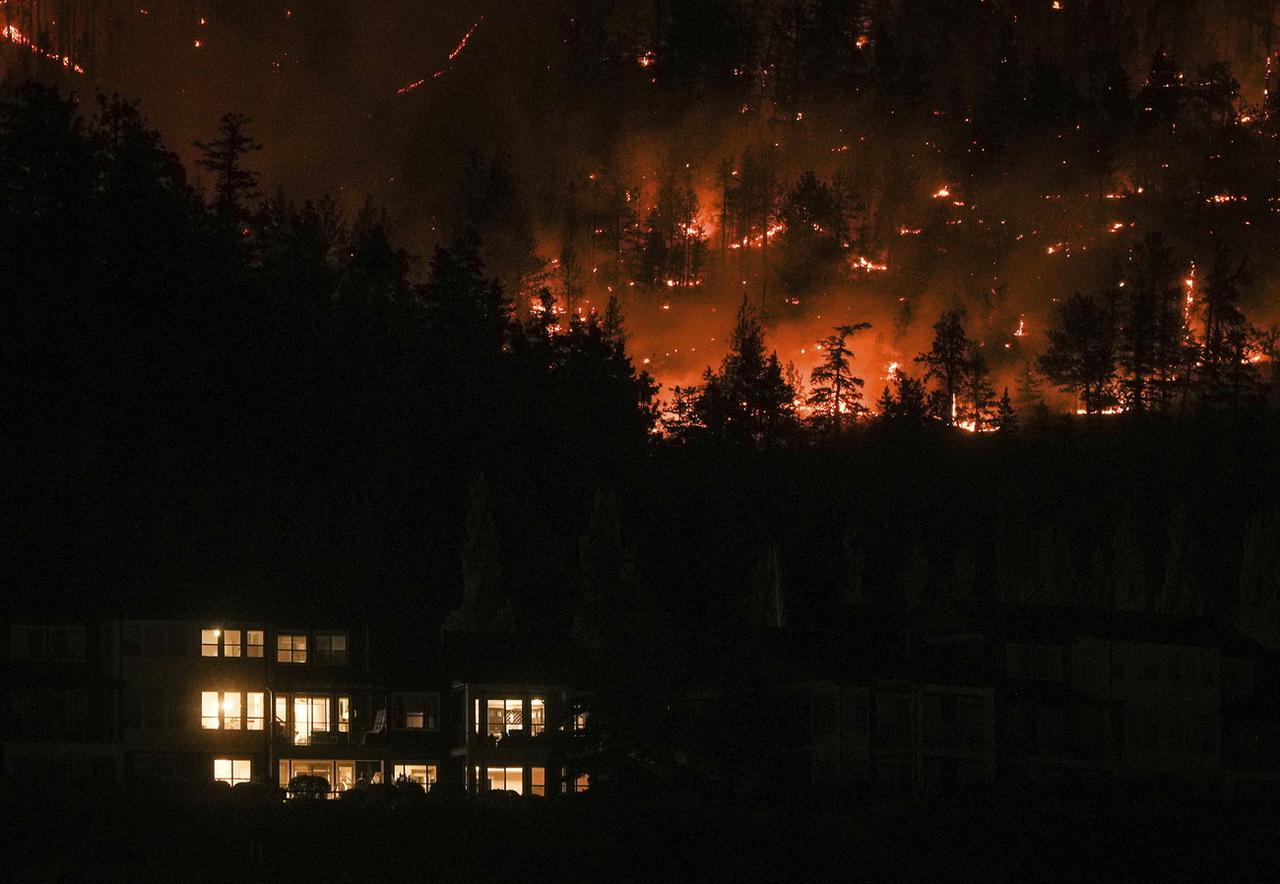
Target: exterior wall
point(479, 751)
point(131, 708)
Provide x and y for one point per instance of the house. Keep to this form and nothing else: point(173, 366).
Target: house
point(217, 699)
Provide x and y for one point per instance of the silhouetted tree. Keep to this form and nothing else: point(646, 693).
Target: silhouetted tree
point(747, 401)
point(1080, 358)
point(234, 184)
point(947, 362)
point(837, 392)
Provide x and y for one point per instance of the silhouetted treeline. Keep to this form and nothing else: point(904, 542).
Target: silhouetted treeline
point(249, 404)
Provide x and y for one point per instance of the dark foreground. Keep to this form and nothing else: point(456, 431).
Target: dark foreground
point(1136, 833)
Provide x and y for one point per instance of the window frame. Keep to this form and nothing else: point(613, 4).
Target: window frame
point(231, 778)
point(324, 652)
point(291, 653)
point(430, 711)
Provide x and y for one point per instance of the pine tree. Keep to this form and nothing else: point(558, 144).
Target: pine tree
point(1151, 332)
point(1029, 397)
point(1227, 376)
point(615, 608)
point(948, 363)
point(1080, 358)
point(836, 394)
point(907, 404)
point(1006, 419)
point(484, 605)
point(977, 397)
point(748, 401)
point(234, 183)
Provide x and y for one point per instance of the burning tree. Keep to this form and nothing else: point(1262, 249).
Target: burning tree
point(814, 237)
point(1151, 333)
point(671, 245)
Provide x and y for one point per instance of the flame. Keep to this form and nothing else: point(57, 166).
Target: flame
point(454, 53)
point(16, 37)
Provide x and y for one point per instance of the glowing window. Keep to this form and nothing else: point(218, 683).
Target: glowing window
point(291, 649)
point(231, 770)
point(423, 774)
point(331, 648)
point(255, 711)
point(312, 715)
point(231, 719)
point(510, 779)
point(538, 781)
point(209, 642)
point(537, 716)
point(253, 640)
point(503, 716)
point(231, 643)
point(210, 715)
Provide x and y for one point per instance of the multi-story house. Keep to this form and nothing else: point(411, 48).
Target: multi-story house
point(223, 700)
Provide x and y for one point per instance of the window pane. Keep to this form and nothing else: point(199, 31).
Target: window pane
point(538, 783)
point(320, 713)
point(208, 643)
point(537, 715)
point(209, 710)
point(231, 643)
point(344, 714)
point(284, 648)
point(254, 710)
point(253, 638)
point(231, 710)
point(240, 769)
point(222, 769)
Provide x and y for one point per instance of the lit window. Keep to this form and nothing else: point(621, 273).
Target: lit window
point(419, 711)
point(225, 710)
point(581, 783)
point(310, 716)
point(209, 642)
point(231, 643)
point(537, 716)
point(253, 639)
point(344, 714)
point(291, 649)
point(231, 770)
point(210, 717)
point(231, 711)
point(510, 779)
point(331, 648)
point(503, 716)
point(538, 781)
point(422, 774)
point(254, 711)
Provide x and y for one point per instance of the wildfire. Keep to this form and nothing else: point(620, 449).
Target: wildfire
point(454, 53)
point(1021, 331)
point(942, 192)
point(16, 37)
point(869, 266)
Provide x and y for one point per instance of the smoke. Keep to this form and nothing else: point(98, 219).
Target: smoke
point(1014, 236)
